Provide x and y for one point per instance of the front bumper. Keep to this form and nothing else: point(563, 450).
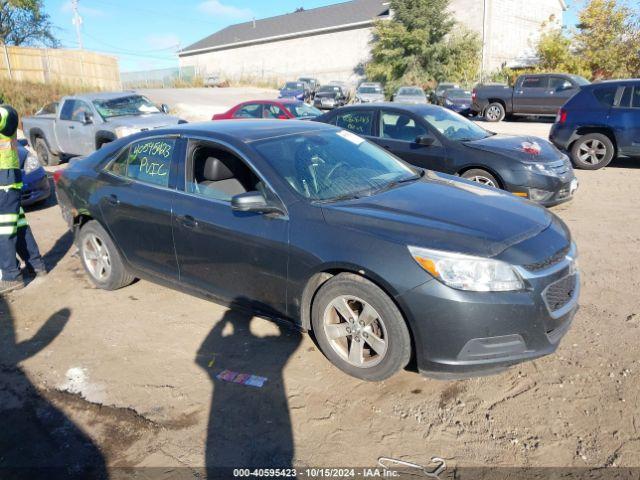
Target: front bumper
point(461, 334)
point(546, 190)
point(326, 105)
point(36, 189)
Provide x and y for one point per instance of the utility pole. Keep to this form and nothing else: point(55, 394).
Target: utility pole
point(77, 21)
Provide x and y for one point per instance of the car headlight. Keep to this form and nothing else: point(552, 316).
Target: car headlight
point(125, 131)
point(466, 272)
point(31, 163)
point(541, 168)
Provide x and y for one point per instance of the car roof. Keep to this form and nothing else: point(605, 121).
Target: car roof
point(622, 81)
point(105, 95)
point(419, 109)
point(247, 131)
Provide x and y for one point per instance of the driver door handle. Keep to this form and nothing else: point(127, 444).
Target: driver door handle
point(187, 221)
point(113, 200)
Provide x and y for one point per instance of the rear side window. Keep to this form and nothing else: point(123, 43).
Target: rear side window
point(535, 82)
point(400, 127)
point(253, 110)
point(360, 122)
point(635, 98)
point(605, 95)
point(147, 161)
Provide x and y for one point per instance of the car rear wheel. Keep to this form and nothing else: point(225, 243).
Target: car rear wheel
point(482, 177)
point(592, 151)
point(101, 258)
point(45, 157)
point(494, 112)
point(360, 329)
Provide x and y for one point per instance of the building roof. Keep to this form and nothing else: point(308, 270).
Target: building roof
point(304, 22)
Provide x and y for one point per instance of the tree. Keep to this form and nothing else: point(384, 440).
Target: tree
point(24, 22)
point(555, 53)
point(417, 46)
point(608, 39)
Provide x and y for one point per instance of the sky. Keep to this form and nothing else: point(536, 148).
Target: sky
point(146, 34)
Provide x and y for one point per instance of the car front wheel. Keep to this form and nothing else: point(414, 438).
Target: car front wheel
point(482, 177)
point(101, 258)
point(45, 157)
point(360, 329)
point(592, 151)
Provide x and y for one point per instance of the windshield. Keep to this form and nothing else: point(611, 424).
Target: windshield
point(329, 89)
point(124, 106)
point(302, 110)
point(445, 86)
point(414, 92)
point(580, 80)
point(333, 165)
point(369, 90)
point(458, 93)
point(294, 86)
point(454, 126)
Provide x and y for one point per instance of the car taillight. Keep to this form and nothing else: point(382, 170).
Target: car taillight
point(474, 94)
point(56, 176)
point(562, 116)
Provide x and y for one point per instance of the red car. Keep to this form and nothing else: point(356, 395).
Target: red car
point(282, 109)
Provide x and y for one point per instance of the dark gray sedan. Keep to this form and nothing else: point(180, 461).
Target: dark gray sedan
point(307, 222)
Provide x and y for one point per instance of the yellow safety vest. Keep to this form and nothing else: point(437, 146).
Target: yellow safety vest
point(9, 159)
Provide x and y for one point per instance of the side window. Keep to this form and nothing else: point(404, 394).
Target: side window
point(605, 95)
point(147, 161)
point(273, 111)
point(67, 110)
point(635, 99)
point(216, 173)
point(79, 111)
point(400, 127)
point(357, 121)
point(534, 82)
point(253, 110)
point(559, 84)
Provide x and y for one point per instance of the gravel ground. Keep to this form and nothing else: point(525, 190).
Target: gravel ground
point(127, 378)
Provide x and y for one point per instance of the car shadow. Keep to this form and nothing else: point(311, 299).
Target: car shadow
point(58, 251)
point(37, 440)
point(249, 426)
point(625, 162)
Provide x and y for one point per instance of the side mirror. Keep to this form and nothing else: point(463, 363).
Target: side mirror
point(165, 108)
point(426, 140)
point(252, 202)
point(88, 118)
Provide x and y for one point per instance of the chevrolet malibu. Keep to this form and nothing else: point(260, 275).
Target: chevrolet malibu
point(307, 222)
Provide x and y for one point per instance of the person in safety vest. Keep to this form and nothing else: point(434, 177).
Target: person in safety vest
point(15, 234)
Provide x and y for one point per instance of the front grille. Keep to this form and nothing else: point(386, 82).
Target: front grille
point(560, 167)
point(549, 262)
point(558, 294)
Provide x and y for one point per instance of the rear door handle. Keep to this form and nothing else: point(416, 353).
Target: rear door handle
point(113, 200)
point(71, 127)
point(188, 221)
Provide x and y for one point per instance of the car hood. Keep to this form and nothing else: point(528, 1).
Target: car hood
point(446, 213)
point(511, 147)
point(291, 93)
point(327, 95)
point(409, 99)
point(371, 97)
point(143, 122)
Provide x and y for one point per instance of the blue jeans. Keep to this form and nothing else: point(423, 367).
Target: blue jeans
point(20, 243)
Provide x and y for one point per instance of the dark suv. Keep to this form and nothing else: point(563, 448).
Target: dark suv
point(600, 122)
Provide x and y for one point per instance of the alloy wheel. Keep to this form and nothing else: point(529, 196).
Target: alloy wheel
point(592, 151)
point(483, 181)
point(493, 113)
point(96, 257)
point(355, 331)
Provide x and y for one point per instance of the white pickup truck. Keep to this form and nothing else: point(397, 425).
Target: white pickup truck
point(81, 124)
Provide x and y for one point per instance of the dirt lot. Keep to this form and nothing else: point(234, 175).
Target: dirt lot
point(127, 378)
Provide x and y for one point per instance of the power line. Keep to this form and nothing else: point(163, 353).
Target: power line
point(137, 52)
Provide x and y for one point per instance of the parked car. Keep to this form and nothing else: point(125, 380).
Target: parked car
point(433, 137)
point(458, 100)
point(369, 92)
point(437, 96)
point(601, 121)
point(409, 95)
point(296, 90)
point(280, 109)
point(311, 223)
point(35, 188)
point(532, 95)
point(84, 123)
point(312, 83)
point(214, 80)
point(330, 96)
point(346, 87)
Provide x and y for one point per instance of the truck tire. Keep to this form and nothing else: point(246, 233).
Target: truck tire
point(494, 112)
point(359, 328)
point(592, 151)
point(45, 157)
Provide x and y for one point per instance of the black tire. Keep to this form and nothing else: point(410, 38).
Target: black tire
point(584, 151)
point(45, 157)
point(482, 177)
point(388, 325)
point(494, 112)
point(118, 276)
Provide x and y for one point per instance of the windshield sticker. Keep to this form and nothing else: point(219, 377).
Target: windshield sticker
point(351, 137)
